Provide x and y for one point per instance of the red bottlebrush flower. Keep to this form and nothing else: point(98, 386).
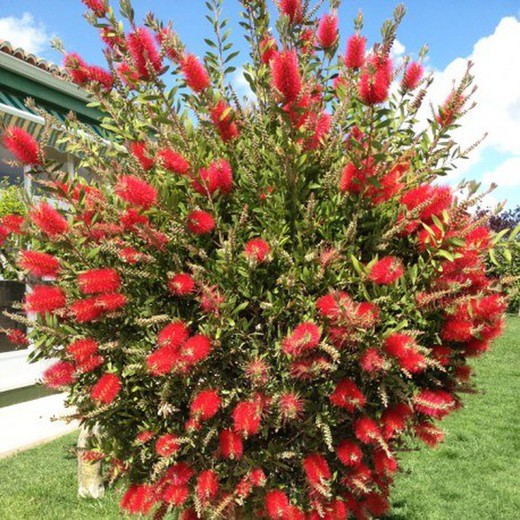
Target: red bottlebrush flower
point(181, 284)
point(376, 504)
point(139, 151)
point(257, 371)
point(457, 330)
point(231, 446)
point(110, 302)
point(268, 49)
point(398, 344)
point(144, 436)
point(218, 176)
point(222, 117)
point(131, 255)
point(321, 127)
point(367, 431)
point(176, 495)
point(207, 485)
point(293, 9)
point(374, 81)
point(4, 234)
point(173, 161)
point(106, 389)
point(305, 336)
point(246, 418)
point(478, 237)
point(195, 74)
point(127, 74)
point(331, 305)
point(39, 264)
point(286, 74)
point(201, 222)
point(354, 179)
point(429, 433)
point(22, 145)
point(76, 68)
point(131, 218)
point(257, 250)
point(161, 361)
point(136, 192)
point(97, 6)
point(59, 375)
point(196, 349)
point(90, 364)
point(386, 271)
point(13, 223)
point(83, 349)
point(348, 395)
point(44, 298)
point(294, 513)
point(16, 337)
point(211, 300)
point(167, 445)
point(276, 504)
point(434, 403)
point(100, 75)
point(205, 405)
point(393, 419)
point(290, 406)
point(384, 464)
point(316, 470)
point(355, 53)
point(371, 361)
point(412, 76)
point(328, 33)
point(173, 335)
point(463, 373)
point(86, 310)
point(257, 477)
point(48, 220)
point(99, 281)
point(139, 499)
point(178, 474)
point(439, 199)
point(451, 109)
point(143, 52)
point(349, 453)
point(489, 307)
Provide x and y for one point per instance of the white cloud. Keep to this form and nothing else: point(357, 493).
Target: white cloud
point(24, 32)
point(506, 174)
point(497, 76)
point(397, 49)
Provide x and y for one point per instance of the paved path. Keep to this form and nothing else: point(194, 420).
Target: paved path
point(28, 424)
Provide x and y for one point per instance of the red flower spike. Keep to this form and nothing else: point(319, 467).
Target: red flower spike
point(98, 281)
point(59, 375)
point(83, 349)
point(290, 406)
point(48, 220)
point(429, 434)
point(96, 6)
point(167, 445)
point(106, 389)
point(246, 418)
point(222, 117)
point(201, 222)
point(316, 470)
point(17, 337)
point(76, 68)
point(181, 284)
point(276, 504)
point(41, 265)
point(218, 176)
point(257, 250)
point(22, 145)
point(44, 298)
point(286, 74)
point(195, 74)
point(161, 361)
point(374, 81)
point(412, 76)
point(176, 495)
point(207, 485)
point(348, 396)
point(231, 445)
point(13, 223)
point(173, 161)
point(143, 52)
point(136, 191)
point(367, 431)
point(434, 403)
point(305, 336)
point(139, 499)
point(355, 53)
point(205, 405)
point(349, 453)
point(371, 361)
point(386, 271)
point(195, 349)
point(101, 76)
point(268, 49)
point(328, 33)
point(140, 152)
point(173, 335)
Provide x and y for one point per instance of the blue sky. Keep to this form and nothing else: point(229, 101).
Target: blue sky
point(487, 31)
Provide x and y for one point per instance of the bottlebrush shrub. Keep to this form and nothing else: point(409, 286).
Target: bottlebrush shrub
point(259, 302)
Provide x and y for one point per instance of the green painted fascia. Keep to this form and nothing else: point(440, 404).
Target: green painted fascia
point(25, 87)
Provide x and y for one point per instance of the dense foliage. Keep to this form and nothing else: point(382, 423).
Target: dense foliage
point(261, 301)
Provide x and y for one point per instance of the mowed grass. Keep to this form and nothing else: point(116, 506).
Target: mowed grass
point(475, 474)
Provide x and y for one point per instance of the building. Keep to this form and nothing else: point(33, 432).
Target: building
point(24, 75)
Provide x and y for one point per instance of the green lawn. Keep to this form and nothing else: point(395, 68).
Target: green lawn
point(475, 474)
